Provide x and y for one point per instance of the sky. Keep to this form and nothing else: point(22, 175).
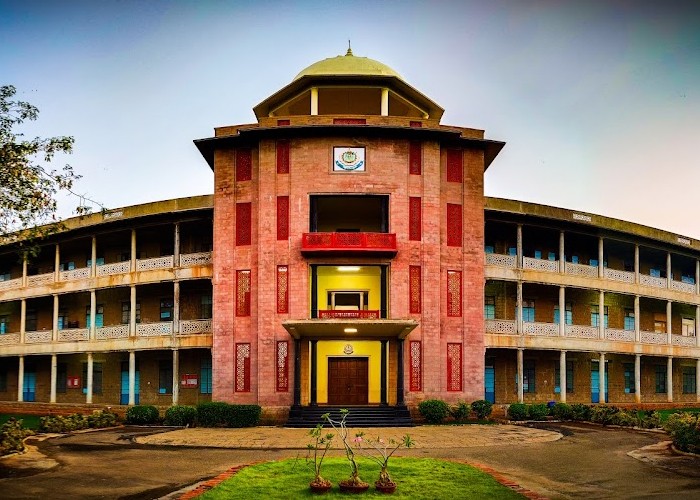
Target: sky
point(598, 101)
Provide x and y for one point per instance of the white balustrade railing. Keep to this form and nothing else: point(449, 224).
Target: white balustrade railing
point(37, 337)
point(75, 274)
point(683, 340)
point(112, 332)
point(581, 270)
point(541, 264)
point(73, 334)
point(9, 338)
point(10, 284)
point(542, 329)
point(497, 259)
point(40, 279)
point(165, 262)
point(114, 268)
point(154, 329)
point(582, 332)
point(195, 259)
point(619, 334)
point(194, 326)
point(500, 326)
point(617, 275)
point(681, 286)
point(654, 338)
point(647, 280)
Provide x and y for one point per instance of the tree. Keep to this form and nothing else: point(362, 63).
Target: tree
point(27, 189)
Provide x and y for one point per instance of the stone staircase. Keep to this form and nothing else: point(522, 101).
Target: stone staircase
point(358, 416)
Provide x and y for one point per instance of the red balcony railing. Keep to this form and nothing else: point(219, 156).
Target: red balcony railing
point(335, 314)
point(349, 242)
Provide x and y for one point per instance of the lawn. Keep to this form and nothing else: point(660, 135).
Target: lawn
point(416, 477)
point(666, 413)
point(28, 421)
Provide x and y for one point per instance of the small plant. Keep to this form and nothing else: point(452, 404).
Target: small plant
point(142, 415)
point(580, 412)
point(433, 410)
point(603, 414)
point(180, 415)
point(384, 449)
point(648, 419)
point(319, 448)
point(538, 411)
point(562, 411)
point(341, 429)
point(100, 419)
point(460, 411)
point(684, 429)
point(624, 418)
point(12, 436)
point(482, 409)
point(517, 411)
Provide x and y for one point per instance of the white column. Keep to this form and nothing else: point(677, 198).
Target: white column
point(562, 311)
point(697, 380)
point(20, 379)
point(638, 378)
point(697, 276)
point(562, 376)
point(132, 378)
point(669, 379)
point(57, 263)
point(601, 314)
point(93, 257)
point(314, 101)
point(176, 376)
point(519, 308)
point(697, 325)
point(176, 246)
point(385, 102)
point(132, 311)
point(54, 334)
point(24, 271)
point(669, 327)
point(176, 307)
point(601, 377)
point(54, 376)
point(521, 378)
point(636, 264)
point(133, 250)
point(601, 270)
point(669, 274)
point(519, 245)
point(22, 319)
point(562, 255)
point(88, 396)
point(93, 311)
point(637, 320)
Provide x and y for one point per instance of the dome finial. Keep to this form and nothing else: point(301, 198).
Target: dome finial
point(349, 52)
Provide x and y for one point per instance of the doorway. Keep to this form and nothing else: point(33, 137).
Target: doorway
point(348, 381)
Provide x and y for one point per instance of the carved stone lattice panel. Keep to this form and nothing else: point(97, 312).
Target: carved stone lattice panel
point(618, 334)
point(112, 332)
point(154, 329)
point(581, 270)
point(647, 280)
point(682, 287)
point(195, 259)
point(541, 264)
point(195, 326)
point(454, 293)
point(617, 275)
point(582, 332)
point(454, 367)
point(243, 223)
point(243, 367)
point(282, 289)
point(282, 150)
point(415, 157)
point(11, 284)
point(9, 338)
point(454, 165)
point(497, 259)
point(500, 326)
point(244, 164)
point(416, 361)
point(243, 293)
point(415, 225)
point(454, 225)
point(73, 334)
point(40, 279)
point(684, 341)
point(654, 338)
point(75, 274)
point(38, 337)
point(414, 289)
point(282, 366)
point(542, 329)
point(282, 218)
point(114, 268)
point(165, 262)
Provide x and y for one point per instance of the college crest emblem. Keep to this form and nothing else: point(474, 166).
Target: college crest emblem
point(348, 349)
point(348, 159)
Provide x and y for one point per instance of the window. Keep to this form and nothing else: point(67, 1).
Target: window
point(688, 327)
point(454, 165)
point(282, 148)
point(529, 376)
point(490, 308)
point(574, 259)
point(3, 380)
point(593, 262)
point(415, 160)
point(659, 323)
point(30, 321)
point(660, 379)
point(166, 309)
point(595, 316)
point(99, 261)
point(687, 279)
point(568, 319)
point(512, 251)
point(689, 379)
point(348, 301)
point(99, 316)
point(66, 266)
point(551, 256)
point(96, 378)
point(4, 325)
point(454, 225)
point(629, 378)
point(629, 320)
point(282, 218)
point(126, 312)
point(569, 377)
point(205, 378)
point(454, 293)
point(415, 289)
point(656, 273)
point(244, 165)
point(415, 224)
point(538, 254)
point(61, 377)
point(243, 293)
point(243, 223)
point(628, 265)
point(5, 276)
point(528, 311)
point(165, 377)
point(489, 249)
point(62, 319)
point(206, 304)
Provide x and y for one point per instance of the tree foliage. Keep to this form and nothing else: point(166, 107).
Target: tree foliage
point(27, 189)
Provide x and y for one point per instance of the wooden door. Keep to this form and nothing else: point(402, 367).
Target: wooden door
point(348, 381)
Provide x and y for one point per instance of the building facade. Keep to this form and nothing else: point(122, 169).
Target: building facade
point(348, 257)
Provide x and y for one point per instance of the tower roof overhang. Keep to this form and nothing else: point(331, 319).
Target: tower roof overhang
point(364, 328)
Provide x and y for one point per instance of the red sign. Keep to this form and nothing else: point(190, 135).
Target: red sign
point(73, 382)
point(189, 380)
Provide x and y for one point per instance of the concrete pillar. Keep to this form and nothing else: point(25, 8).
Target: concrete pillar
point(93, 311)
point(562, 311)
point(601, 254)
point(519, 246)
point(133, 250)
point(176, 246)
point(669, 274)
point(521, 378)
point(385, 102)
point(57, 263)
point(697, 277)
point(54, 377)
point(669, 379)
point(399, 374)
point(669, 326)
point(638, 378)
point(88, 396)
point(562, 255)
point(54, 328)
point(601, 377)
point(132, 311)
point(601, 314)
point(519, 309)
point(314, 372)
point(383, 375)
point(562, 376)
point(176, 376)
point(93, 257)
point(697, 380)
point(132, 378)
point(637, 320)
point(636, 264)
point(697, 325)
point(24, 270)
point(314, 101)
point(20, 378)
point(297, 372)
point(176, 307)
point(22, 319)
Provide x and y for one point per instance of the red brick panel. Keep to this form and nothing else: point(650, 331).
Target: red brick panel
point(454, 293)
point(282, 123)
point(282, 366)
point(416, 366)
point(349, 121)
point(454, 165)
point(454, 225)
point(414, 219)
point(282, 157)
point(243, 293)
point(244, 165)
point(454, 367)
point(282, 217)
point(242, 367)
point(243, 223)
point(282, 289)
point(415, 158)
point(414, 289)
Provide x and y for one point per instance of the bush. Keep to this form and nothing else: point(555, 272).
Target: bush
point(517, 411)
point(142, 415)
point(562, 411)
point(603, 414)
point(60, 423)
point(180, 415)
point(433, 410)
point(100, 419)
point(482, 408)
point(580, 412)
point(624, 418)
point(684, 429)
point(244, 415)
point(219, 414)
point(538, 411)
point(460, 411)
point(12, 436)
point(648, 419)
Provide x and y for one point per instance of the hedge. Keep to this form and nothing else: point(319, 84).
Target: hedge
point(142, 415)
point(180, 415)
point(219, 414)
point(434, 411)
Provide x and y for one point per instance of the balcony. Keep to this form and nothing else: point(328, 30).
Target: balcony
point(349, 243)
point(335, 314)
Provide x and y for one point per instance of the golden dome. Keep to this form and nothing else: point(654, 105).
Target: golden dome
point(347, 65)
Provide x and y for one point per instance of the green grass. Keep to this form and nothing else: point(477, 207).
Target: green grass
point(421, 478)
point(666, 413)
point(28, 421)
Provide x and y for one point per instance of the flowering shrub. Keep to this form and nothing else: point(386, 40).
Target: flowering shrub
point(384, 450)
point(684, 429)
point(12, 436)
point(342, 430)
point(319, 448)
